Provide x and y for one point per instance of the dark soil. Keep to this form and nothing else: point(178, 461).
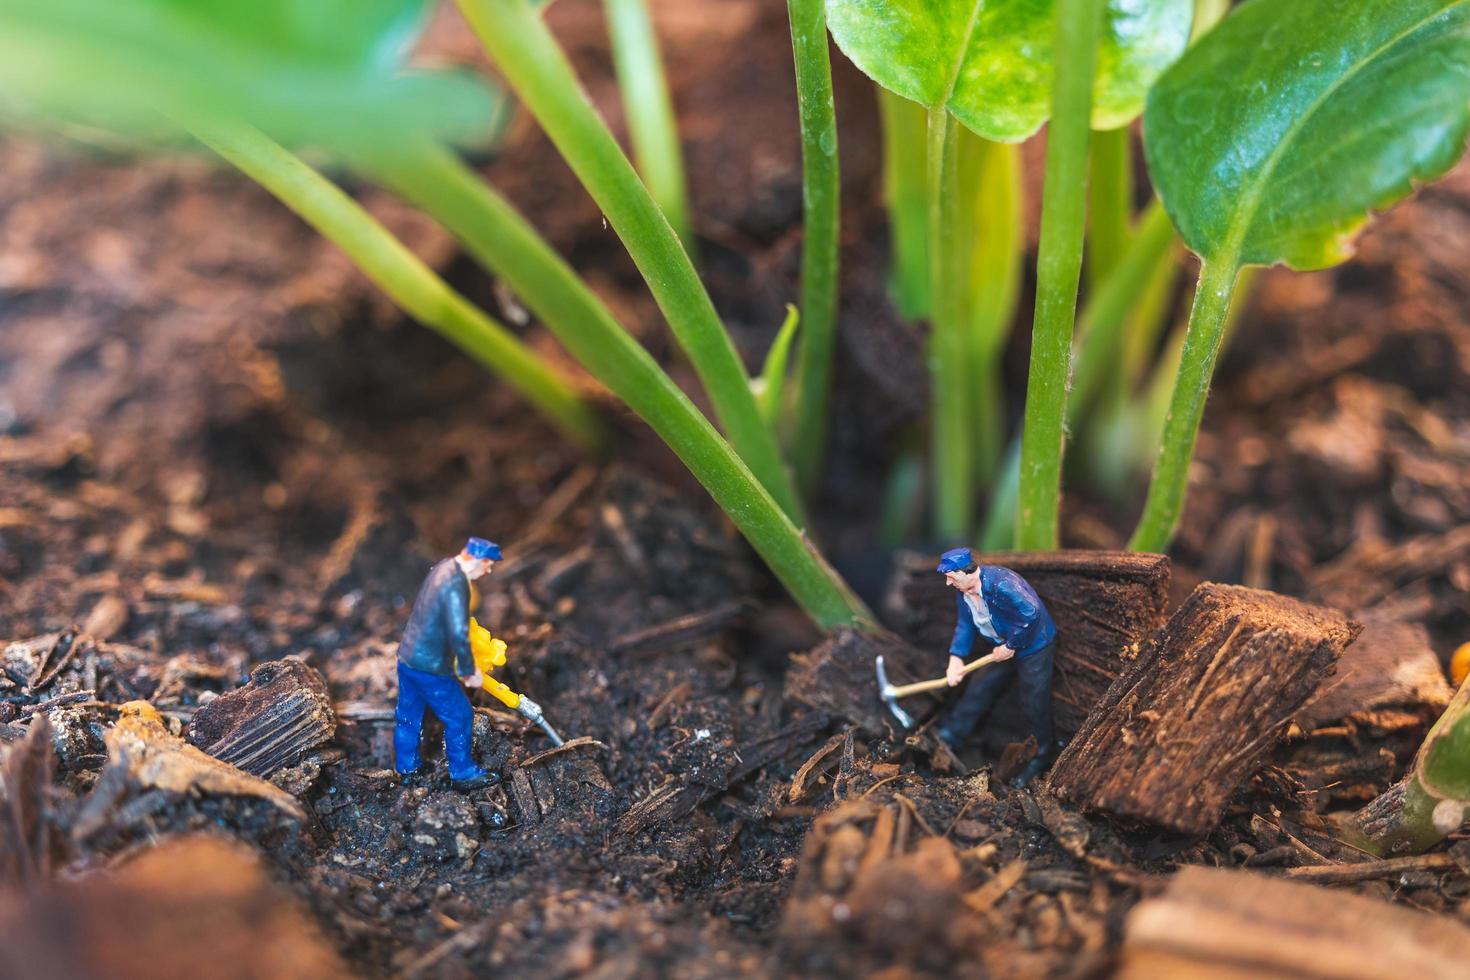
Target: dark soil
point(219, 446)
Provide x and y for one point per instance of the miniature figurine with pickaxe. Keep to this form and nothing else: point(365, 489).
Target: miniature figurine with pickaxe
point(999, 607)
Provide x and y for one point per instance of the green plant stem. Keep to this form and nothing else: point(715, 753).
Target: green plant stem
point(903, 192)
point(498, 237)
point(1058, 267)
point(1431, 802)
point(819, 195)
point(998, 532)
point(901, 499)
point(649, 110)
point(991, 200)
point(1170, 481)
point(1109, 194)
point(1106, 314)
point(952, 466)
point(400, 274)
point(534, 64)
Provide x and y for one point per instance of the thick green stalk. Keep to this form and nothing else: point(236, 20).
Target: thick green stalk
point(500, 239)
point(1101, 326)
point(1109, 201)
point(994, 241)
point(649, 110)
point(1166, 491)
point(903, 192)
point(534, 64)
point(400, 274)
point(819, 196)
point(1058, 267)
point(1431, 802)
point(952, 464)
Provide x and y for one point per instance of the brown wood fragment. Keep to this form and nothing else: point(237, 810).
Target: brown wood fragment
point(1340, 874)
point(983, 898)
point(1200, 708)
point(582, 741)
point(272, 722)
point(1105, 604)
point(1226, 925)
point(107, 618)
point(29, 842)
point(191, 907)
point(798, 782)
point(1391, 665)
point(525, 797)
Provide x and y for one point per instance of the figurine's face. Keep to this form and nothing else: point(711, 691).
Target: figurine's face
point(475, 568)
point(965, 582)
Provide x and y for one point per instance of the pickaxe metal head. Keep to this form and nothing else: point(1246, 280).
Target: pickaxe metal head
point(886, 692)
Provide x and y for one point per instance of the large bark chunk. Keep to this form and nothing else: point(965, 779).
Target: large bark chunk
point(1201, 706)
point(1105, 604)
point(1212, 923)
point(271, 722)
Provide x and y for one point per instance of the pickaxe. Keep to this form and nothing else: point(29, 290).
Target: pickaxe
point(891, 694)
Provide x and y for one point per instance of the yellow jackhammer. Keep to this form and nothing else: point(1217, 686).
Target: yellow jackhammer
point(489, 653)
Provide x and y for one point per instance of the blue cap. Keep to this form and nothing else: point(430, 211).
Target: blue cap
point(480, 548)
point(955, 560)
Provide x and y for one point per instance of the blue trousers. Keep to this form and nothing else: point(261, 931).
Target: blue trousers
point(419, 690)
point(1031, 673)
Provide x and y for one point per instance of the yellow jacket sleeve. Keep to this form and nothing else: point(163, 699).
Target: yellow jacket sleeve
point(489, 653)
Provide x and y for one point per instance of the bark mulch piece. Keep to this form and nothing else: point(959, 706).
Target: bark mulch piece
point(271, 722)
point(1105, 604)
point(1212, 923)
point(192, 906)
point(1201, 707)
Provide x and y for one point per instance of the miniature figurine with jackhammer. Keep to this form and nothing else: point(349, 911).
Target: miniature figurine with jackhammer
point(434, 658)
point(999, 607)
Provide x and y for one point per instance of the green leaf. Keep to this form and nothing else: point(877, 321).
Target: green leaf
point(990, 63)
point(320, 72)
point(1277, 134)
point(771, 385)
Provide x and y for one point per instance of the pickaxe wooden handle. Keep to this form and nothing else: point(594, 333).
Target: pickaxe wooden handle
point(919, 687)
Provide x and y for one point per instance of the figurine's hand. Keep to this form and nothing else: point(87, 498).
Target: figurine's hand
point(955, 672)
point(1002, 653)
point(477, 679)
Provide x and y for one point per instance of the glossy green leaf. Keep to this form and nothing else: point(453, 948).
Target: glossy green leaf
point(1277, 134)
point(990, 62)
point(320, 72)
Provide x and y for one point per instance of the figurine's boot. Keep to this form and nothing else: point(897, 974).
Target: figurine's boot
point(1039, 764)
point(975, 703)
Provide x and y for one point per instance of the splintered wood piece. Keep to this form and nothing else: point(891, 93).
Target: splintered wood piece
point(1391, 665)
point(1215, 924)
point(143, 755)
point(839, 677)
point(270, 723)
point(1105, 604)
point(193, 906)
point(1200, 708)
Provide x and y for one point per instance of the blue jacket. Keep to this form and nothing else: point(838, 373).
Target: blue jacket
point(437, 637)
point(1016, 614)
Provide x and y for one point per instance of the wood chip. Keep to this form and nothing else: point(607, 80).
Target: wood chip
point(1225, 925)
point(1199, 710)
